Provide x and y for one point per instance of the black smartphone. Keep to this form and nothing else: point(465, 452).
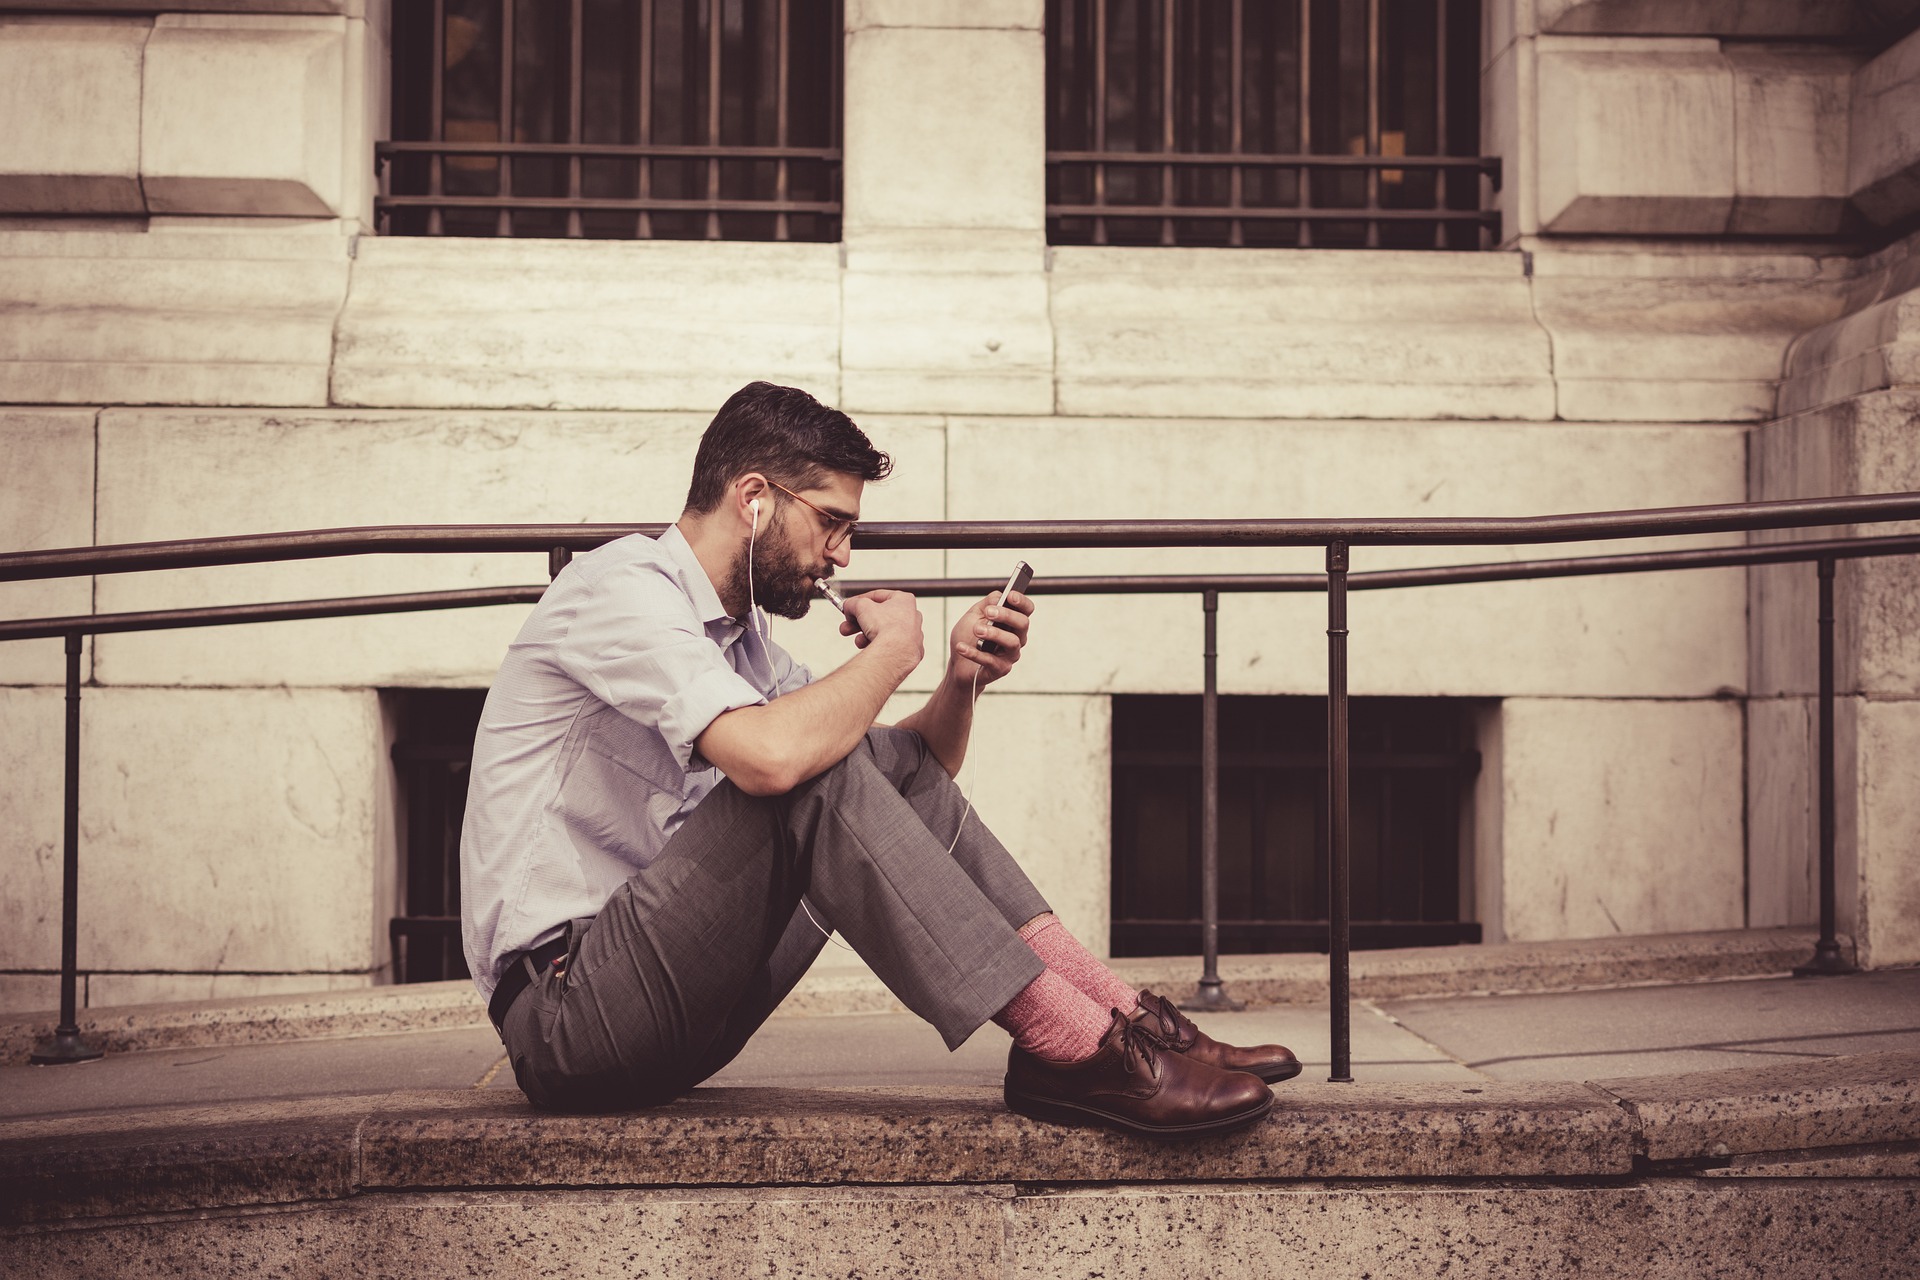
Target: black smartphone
point(1016, 581)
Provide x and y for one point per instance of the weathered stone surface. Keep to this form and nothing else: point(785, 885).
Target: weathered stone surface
point(1667, 1229)
point(1559, 965)
point(31, 752)
point(1636, 136)
point(941, 126)
point(695, 1235)
point(853, 1135)
point(362, 1011)
point(1650, 783)
point(208, 317)
point(49, 456)
point(1667, 636)
point(1870, 349)
point(1858, 444)
point(418, 467)
point(1836, 1102)
point(177, 1158)
point(1883, 155)
point(1790, 141)
point(1309, 334)
point(1783, 832)
point(1892, 1161)
point(70, 93)
point(1802, 19)
point(842, 984)
point(961, 340)
point(551, 324)
point(1013, 14)
point(256, 843)
point(244, 114)
point(1889, 832)
point(1658, 1230)
point(1672, 337)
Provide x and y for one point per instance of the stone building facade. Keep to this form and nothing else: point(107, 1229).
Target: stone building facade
point(1704, 289)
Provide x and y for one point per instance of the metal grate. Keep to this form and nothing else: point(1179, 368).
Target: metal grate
point(1412, 777)
point(1275, 123)
point(615, 119)
point(432, 758)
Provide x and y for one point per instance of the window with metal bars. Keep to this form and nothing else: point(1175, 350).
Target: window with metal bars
point(615, 119)
point(1267, 123)
point(1413, 768)
point(432, 756)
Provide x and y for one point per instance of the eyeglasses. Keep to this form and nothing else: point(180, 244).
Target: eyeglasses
point(839, 528)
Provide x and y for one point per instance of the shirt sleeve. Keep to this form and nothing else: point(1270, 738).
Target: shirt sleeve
point(635, 643)
point(788, 675)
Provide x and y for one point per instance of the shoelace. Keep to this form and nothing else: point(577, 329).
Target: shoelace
point(1169, 1031)
point(1137, 1044)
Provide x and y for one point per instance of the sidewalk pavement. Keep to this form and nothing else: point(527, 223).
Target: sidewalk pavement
point(1569, 1035)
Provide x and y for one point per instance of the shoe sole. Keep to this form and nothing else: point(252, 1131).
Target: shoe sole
point(1274, 1075)
point(1057, 1112)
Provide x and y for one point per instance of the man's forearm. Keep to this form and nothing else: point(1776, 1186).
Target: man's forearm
point(769, 750)
point(945, 723)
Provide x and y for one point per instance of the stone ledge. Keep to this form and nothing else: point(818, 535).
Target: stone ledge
point(1658, 1228)
point(1835, 1102)
point(197, 1158)
point(833, 989)
point(1496, 968)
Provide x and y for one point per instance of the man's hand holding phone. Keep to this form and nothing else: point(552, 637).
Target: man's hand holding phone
point(987, 640)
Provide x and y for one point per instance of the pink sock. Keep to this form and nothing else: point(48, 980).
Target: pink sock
point(1062, 953)
point(1051, 1019)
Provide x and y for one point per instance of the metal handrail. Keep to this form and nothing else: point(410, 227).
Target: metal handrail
point(1337, 536)
point(1064, 585)
point(1432, 531)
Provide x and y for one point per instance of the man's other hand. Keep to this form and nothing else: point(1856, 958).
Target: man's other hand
point(1004, 624)
point(886, 618)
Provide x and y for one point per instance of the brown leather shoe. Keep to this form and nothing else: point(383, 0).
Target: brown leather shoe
point(1133, 1083)
point(1162, 1020)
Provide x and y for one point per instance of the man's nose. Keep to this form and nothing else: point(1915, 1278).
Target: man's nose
point(841, 555)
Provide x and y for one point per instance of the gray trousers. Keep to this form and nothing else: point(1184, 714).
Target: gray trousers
point(690, 956)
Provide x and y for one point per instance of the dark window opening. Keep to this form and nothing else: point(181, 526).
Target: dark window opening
point(615, 119)
point(432, 755)
point(1411, 774)
point(1296, 123)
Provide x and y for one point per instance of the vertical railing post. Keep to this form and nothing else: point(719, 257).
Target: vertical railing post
point(1827, 957)
point(65, 1045)
point(1211, 993)
point(558, 558)
point(1338, 918)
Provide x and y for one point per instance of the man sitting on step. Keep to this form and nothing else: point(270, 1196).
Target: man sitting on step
point(667, 815)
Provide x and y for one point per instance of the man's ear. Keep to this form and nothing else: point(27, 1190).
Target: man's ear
point(751, 496)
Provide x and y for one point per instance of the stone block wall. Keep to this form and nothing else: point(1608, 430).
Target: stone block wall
point(251, 359)
point(1709, 118)
point(261, 114)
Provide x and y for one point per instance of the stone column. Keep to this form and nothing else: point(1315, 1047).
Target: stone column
point(945, 289)
point(1848, 406)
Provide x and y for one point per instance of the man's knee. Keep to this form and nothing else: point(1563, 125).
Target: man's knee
point(900, 754)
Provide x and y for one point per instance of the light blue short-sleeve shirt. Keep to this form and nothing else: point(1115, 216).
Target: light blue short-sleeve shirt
point(585, 763)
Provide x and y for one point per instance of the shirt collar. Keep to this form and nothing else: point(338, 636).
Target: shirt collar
point(706, 601)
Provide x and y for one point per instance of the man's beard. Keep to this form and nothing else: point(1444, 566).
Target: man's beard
point(781, 582)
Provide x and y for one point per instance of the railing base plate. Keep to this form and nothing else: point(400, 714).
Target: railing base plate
point(1826, 963)
point(63, 1046)
point(1212, 997)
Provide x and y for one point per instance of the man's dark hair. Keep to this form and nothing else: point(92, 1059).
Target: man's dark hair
point(784, 432)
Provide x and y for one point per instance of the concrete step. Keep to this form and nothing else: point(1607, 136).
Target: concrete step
point(840, 984)
point(1785, 1170)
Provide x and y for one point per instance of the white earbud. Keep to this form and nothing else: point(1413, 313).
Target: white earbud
point(755, 507)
